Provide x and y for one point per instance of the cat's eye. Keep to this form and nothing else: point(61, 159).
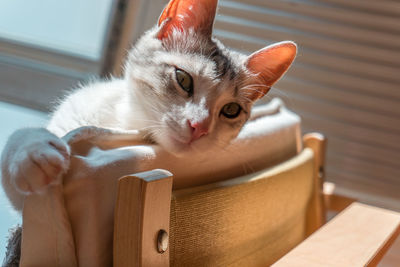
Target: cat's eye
point(231, 110)
point(185, 81)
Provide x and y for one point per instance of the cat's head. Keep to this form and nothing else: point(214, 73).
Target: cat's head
point(191, 92)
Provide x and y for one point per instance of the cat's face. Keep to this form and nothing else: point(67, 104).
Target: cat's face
point(193, 93)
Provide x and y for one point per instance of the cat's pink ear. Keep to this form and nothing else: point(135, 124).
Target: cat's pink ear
point(185, 14)
point(269, 64)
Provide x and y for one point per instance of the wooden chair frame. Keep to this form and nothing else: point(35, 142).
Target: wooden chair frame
point(141, 225)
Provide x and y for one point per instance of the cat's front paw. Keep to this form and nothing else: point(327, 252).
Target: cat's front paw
point(39, 160)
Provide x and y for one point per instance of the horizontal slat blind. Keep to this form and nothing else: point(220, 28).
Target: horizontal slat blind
point(345, 82)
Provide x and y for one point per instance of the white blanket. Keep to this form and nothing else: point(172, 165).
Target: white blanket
point(72, 224)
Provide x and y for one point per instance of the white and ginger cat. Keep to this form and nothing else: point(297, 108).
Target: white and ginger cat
point(182, 89)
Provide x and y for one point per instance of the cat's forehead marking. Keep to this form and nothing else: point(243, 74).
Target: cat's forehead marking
point(195, 64)
point(223, 64)
point(190, 43)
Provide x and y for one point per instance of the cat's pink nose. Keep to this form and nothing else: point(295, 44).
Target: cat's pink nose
point(198, 129)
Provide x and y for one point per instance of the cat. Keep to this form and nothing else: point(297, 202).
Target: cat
point(182, 89)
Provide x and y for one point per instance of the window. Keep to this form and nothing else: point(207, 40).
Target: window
point(48, 46)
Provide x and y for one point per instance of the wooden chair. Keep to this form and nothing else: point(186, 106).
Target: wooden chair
point(255, 220)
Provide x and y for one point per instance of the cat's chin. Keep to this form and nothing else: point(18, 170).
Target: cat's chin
point(176, 147)
point(180, 150)
point(180, 147)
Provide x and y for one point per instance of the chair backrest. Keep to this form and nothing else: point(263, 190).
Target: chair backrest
point(247, 221)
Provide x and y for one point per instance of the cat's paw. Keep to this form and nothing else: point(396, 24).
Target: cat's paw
point(39, 160)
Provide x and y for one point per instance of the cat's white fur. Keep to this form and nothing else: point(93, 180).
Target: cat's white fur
point(148, 98)
point(33, 156)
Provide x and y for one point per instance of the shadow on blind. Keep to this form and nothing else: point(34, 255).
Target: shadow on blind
point(345, 81)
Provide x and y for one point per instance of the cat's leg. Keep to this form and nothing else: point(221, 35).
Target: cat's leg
point(97, 134)
point(32, 159)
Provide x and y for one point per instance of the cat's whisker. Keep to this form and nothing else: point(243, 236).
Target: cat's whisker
point(146, 120)
point(221, 145)
point(196, 150)
point(275, 92)
point(151, 127)
point(247, 168)
point(250, 86)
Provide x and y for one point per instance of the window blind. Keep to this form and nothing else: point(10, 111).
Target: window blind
point(344, 83)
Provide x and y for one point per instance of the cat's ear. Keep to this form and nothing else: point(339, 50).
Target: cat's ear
point(269, 64)
point(185, 14)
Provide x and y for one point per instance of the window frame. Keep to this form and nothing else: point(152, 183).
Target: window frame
point(50, 73)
